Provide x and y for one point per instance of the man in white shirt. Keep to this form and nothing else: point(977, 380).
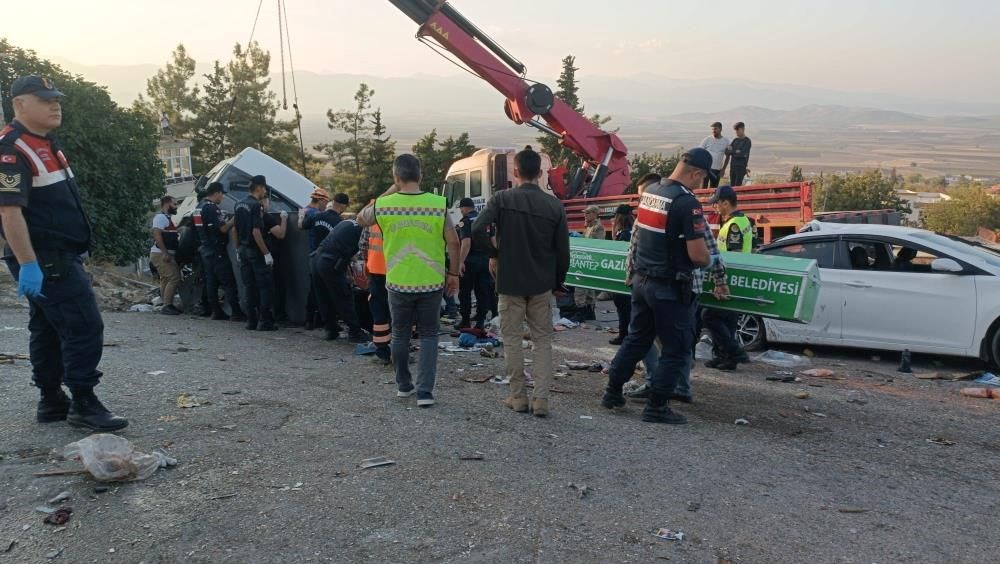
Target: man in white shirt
point(161, 256)
point(716, 144)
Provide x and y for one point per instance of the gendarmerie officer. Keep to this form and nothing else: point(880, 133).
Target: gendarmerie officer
point(333, 290)
point(255, 259)
point(46, 229)
point(212, 227)
point(669, 245)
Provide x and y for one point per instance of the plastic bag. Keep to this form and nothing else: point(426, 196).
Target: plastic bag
point(784, 360)
point(110, 458)
point(703, 350)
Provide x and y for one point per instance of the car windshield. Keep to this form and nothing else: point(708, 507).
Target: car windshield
point(959, 245)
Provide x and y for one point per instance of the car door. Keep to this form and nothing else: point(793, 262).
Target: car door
point(825, 327)
point(896, 301)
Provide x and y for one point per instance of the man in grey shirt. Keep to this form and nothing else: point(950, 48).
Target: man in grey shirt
point(530, 263)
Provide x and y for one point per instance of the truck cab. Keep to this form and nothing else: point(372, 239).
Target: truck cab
point(483, 174)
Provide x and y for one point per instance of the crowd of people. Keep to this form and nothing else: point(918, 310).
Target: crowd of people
point(402, 252)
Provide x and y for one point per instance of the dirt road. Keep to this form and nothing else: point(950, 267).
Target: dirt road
point(269, 461)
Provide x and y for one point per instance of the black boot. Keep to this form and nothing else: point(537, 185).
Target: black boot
point(267, 322)
point(251, 321)
point(88, 412)
point(237, 315)
point(613, 396)
point(657, 411)
point(463, 323)
point(589, 314)
point(53, 406)
point(618, 340)
point(218, 314)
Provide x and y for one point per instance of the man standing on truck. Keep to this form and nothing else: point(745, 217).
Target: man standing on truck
point(530, 259)
point(735, 236)
point(670, 246)
point(739, 152)
point(717, 146)
point(415, 231)
point(583, 297)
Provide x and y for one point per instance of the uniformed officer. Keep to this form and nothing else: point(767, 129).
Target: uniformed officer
point(476, 278)
point(333, 290)
point(255, 259)
point(735, 236)
point(47, 231)
point(212, 227)
point(669, 245)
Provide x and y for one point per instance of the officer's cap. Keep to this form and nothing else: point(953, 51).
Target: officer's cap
point(727, 193)
point(258, 180)
point(214, 187)
point(37, 85)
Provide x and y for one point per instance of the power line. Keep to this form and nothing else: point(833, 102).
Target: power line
point(232, 107)
point(295, 90)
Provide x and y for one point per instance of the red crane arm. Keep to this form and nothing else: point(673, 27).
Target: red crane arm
point(606, 151)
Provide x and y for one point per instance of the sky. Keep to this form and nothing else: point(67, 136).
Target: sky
point(928, 48)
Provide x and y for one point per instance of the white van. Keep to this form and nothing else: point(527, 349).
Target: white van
point(483, 174)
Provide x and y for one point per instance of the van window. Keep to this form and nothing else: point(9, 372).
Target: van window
point(454, 189)
point(475, 184)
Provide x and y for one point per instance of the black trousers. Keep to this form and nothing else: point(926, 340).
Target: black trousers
point(218, 271)
point(623, 304)
point(721, 324)
point(711, 182)
point(476, 280)
point(333, 292)
point(66, 330)
point(258, 280)
point(737, 172)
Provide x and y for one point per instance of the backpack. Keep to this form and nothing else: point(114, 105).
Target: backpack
point(187, 244)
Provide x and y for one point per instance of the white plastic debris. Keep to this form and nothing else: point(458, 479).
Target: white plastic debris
point(110, 458)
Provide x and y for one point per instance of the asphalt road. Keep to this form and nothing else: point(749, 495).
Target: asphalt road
point(269, 462)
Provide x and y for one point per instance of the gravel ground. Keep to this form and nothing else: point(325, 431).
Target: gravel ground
point(269, 462)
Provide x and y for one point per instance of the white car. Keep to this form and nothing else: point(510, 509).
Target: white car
point(892, 288)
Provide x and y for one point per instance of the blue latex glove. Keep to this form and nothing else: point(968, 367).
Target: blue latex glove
point(29, 280)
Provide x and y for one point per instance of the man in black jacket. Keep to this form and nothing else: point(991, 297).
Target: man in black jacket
point(531, 263)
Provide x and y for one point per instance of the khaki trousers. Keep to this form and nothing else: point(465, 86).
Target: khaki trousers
point(537, 311)
point(170, 277)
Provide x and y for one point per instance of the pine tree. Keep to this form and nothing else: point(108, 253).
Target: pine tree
point(356, 124)
point(437, 156)
point(171, 92)
point(568, 87)
point(378, 160)
point(796, 174)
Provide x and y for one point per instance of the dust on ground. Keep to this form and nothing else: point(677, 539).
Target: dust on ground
point(859, 471)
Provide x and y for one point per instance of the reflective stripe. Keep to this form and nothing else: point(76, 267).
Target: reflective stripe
point(376, 256)
point(410, 251)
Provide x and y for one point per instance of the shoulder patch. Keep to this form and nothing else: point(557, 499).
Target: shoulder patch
point(10, 182)
point(8, 159)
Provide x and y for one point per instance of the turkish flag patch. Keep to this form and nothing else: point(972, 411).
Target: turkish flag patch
point(8, 159)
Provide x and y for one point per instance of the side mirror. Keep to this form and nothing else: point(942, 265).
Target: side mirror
point(946, 265)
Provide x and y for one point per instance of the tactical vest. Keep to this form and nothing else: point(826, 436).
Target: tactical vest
point(742, 222)
point(376, 257)
point(412, 229)
point(661, 252)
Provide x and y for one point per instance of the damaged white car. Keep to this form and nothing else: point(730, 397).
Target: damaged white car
point(892, 288)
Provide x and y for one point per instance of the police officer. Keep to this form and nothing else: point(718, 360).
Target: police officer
point(255, 259)
point(669, 245)
point(47, 230)
point(333, 290)
point(476, 276)
point(212, 227)
point(735, 236)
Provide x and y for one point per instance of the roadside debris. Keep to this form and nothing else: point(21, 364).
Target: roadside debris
point(819, 373)
point(185, 401)
point(940, 441)
point(376, 462)
point(693, 506)
point(59, 516)
point(582, 489)
point(741, 421)
point(989, 379)
point(853, 510)
point(781, 359)
point(667, 534)
point(488, 351)
point(802, 395)
point(981, 393)
point(110, 458)
point(156, 372)
point(62, 496)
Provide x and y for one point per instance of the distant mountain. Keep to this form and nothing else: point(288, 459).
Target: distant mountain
point(810, 115)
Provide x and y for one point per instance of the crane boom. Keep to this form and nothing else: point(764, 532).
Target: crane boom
point(525, 102)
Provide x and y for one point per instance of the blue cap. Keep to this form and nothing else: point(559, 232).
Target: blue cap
point(727, 193)
point(37, 85)
point(700, 158)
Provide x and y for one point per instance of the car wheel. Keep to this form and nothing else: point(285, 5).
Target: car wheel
point(750, 332)
point(995, 348)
